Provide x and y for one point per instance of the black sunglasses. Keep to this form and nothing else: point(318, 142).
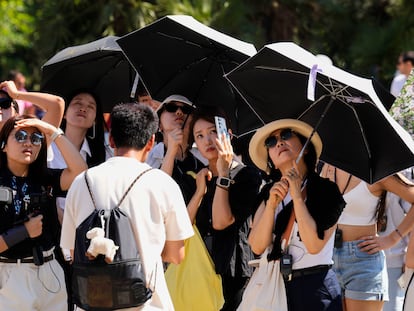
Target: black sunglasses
point(171, 107)
point(284, 135)
point(5, 103)
point(35, 138)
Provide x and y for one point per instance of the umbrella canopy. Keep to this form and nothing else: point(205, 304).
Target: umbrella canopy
point(179, 55)
point(285, 81)
point(98, 66)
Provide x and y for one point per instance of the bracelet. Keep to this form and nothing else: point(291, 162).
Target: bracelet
point(399, 233)
point(15, 235)
point(56, 134)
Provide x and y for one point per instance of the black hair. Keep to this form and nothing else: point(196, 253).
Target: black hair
point(13, 74)
point(13, 102)
point(132, 125)
point(309, 157)
point(206, 113)
point(38, 168)
point(381, 206)
point(95, 134)
point(408, 56)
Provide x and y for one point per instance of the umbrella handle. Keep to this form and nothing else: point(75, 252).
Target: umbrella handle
point(331, 100)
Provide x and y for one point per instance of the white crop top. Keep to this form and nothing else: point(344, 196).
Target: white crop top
point(360, 208)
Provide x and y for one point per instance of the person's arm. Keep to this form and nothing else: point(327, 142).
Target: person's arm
point(308, 229)
point(52, 104)
point(409, 259)
point(194, 204)
point(30, 229)
point(261, 234)
point(306, 223)
point(173, 252)
point(75, 163)
point(175, 139)
point(222, 215)
point(404, 190)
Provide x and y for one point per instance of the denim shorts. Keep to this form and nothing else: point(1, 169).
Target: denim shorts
point(361, 276)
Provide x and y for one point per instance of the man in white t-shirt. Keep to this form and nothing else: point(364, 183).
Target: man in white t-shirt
point(154, 204)
point(404, 66)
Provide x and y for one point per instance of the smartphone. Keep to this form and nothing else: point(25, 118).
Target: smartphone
point(221, 127)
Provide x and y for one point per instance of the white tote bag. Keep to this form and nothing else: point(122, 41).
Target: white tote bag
point(266, 288)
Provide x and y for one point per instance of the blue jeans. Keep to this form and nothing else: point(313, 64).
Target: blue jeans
point(362, 276)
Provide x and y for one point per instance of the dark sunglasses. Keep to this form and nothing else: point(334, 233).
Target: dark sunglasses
point(171, 107)
point(35, 138)
point(5, 103)
point(284, 135)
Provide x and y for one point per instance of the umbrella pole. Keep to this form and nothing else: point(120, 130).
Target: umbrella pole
point(331, 100)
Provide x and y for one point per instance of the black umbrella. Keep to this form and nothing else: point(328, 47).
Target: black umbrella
point(99, 66)
point(285, 81)
point(179, 55)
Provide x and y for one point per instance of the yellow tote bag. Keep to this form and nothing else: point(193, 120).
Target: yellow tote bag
point(194, 284)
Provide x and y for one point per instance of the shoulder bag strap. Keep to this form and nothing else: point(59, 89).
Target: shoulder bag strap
point(125, 194)
point(289, 229)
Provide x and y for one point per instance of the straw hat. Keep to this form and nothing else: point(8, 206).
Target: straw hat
point(257, 149)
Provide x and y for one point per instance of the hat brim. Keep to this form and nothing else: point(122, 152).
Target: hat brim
point(174, 98)
point(258, 151)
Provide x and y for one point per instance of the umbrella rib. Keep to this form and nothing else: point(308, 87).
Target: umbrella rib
point(247, 102)
point(179, 39)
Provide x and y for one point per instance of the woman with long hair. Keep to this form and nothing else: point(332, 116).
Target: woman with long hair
point(360, 261)
point(281, 149)
point(30, 277)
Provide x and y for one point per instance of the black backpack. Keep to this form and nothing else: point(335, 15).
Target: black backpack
point(98, 285)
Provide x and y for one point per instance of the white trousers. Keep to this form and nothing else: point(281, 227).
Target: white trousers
point(25, 286)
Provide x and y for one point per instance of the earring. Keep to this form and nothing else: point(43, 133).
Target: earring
point(3, 144)
point(93, 132)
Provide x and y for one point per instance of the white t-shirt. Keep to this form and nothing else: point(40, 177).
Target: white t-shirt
point(55, 160)
point(154, 204)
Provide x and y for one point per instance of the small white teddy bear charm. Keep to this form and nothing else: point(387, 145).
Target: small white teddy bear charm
point(99, 244)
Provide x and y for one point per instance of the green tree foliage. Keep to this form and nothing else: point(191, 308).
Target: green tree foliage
point(362, 36)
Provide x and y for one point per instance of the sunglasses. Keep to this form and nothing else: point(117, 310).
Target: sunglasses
point(171, 107)
point(284, 135)
point(5, 103)
point(35, 138)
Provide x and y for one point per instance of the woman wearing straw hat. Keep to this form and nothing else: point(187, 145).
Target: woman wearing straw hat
point(277, 148)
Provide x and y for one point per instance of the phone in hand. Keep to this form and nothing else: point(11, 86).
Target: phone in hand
point(221, 127)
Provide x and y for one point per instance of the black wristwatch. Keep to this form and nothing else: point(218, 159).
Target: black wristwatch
point(224, 182)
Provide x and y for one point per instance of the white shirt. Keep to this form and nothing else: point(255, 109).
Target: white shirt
point(154, 204)
point(397, 84)
point(156, 155)
point(55, 160)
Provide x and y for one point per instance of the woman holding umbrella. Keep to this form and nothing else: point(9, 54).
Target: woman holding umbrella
point(316, 204)
point(360, 260)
